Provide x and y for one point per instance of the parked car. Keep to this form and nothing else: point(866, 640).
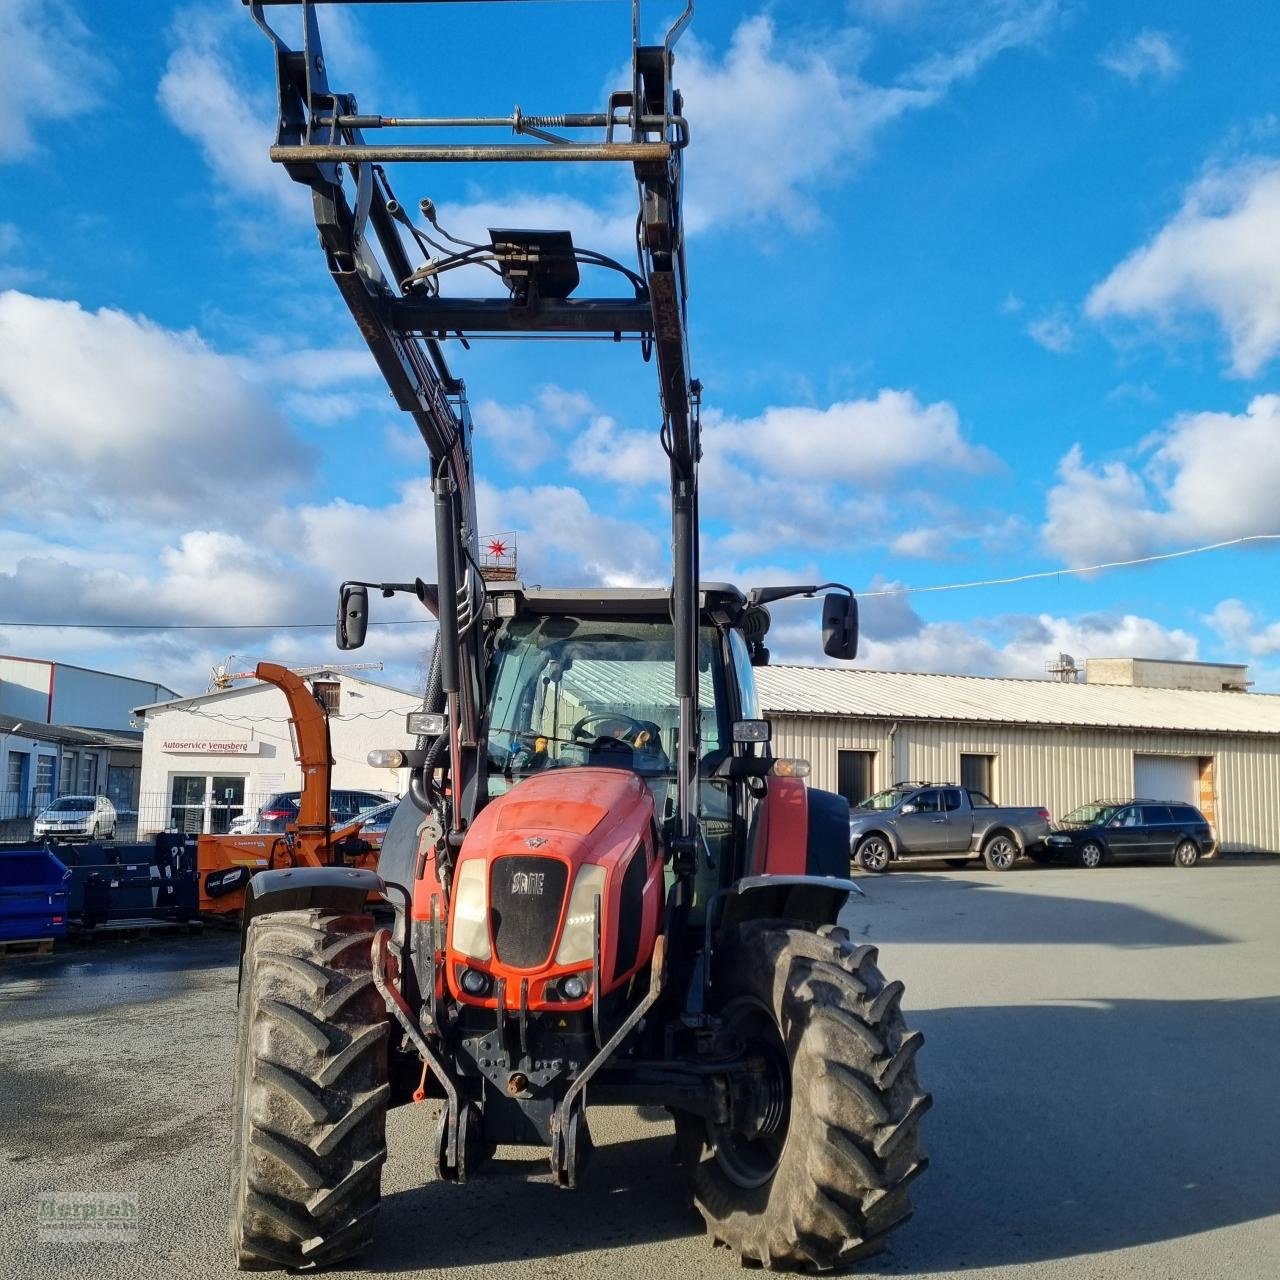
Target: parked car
point(281, 808)
point(87, 817)
point(916, 820)
point(366, 832)
point(1112, 830)
point(374, 824)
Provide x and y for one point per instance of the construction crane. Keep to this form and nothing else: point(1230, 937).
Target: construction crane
point(602, 880)
point(222, 677)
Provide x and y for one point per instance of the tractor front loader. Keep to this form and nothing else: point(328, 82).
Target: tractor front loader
point(605, 887)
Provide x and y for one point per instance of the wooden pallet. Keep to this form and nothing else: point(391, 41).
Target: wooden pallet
point(25, 946)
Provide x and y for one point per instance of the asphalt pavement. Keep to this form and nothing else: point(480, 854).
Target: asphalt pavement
point(1103, 1049)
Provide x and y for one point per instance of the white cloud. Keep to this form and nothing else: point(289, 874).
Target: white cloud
point(1053, 331)
point(864, 442)
point(564, 541)
point(609, 452)
point(894, 637)
point(47, 68)
point(928, 543)
point(130, 417)
point(1242, 628)
point(520, 431)
point(1022, 645)
point(822, 114)
point(1207, 477)
point(1150, 55)
point(1218, 255)
point(230, 122)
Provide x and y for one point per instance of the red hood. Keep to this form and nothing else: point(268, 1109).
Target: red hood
point(570, 812)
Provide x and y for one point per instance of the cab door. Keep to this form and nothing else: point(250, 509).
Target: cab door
point(923, 830)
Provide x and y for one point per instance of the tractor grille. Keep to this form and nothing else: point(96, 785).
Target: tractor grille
point(526, 896)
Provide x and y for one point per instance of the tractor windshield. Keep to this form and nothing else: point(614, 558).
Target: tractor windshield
point(592, 691)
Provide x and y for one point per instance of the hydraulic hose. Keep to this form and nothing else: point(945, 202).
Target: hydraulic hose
point(421, 787)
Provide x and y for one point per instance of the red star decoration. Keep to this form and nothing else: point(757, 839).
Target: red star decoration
point(497, 548)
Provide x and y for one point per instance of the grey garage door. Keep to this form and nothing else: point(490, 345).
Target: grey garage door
point(1167, 778)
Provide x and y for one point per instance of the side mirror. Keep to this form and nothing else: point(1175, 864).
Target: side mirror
point(353, 615)
point(752, 731)
point(910, 808)
point(840, 626)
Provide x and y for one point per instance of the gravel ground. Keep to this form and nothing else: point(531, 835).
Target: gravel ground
point(1103, 1049)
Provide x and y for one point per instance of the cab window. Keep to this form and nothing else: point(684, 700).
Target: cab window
point(745, 675)
point(928, 802)
point(951, 799)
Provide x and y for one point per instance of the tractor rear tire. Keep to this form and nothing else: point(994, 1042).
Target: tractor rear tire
point(842, 1166)
point(310, 1092)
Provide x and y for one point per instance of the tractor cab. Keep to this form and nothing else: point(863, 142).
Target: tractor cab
point(582, 679)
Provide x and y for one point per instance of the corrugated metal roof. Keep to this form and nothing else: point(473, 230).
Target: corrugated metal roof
point(71, 735)
point(897, 695)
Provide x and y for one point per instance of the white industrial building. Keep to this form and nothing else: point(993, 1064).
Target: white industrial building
point(1159, 730)
point(209, 759)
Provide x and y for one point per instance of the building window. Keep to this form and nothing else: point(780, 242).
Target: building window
point(200, 804)
point(978, 773)
point(228, 803)
point(186, 812)
point(70, 764)
point(44, 777)
point(856, 775)
point(88, 774)
point(17, 776)
point(328, 694)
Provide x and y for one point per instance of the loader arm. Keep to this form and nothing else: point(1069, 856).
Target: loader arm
point(322, 142)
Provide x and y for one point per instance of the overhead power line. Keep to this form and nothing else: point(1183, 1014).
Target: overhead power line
point(206, 626)
point(1074, 571)
point(1062, 573)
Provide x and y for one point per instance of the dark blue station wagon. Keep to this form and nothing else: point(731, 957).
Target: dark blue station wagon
point(1119, 830)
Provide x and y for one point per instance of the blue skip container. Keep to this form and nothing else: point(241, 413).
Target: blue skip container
point(33, 895)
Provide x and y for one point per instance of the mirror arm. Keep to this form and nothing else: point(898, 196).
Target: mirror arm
point(766, 595)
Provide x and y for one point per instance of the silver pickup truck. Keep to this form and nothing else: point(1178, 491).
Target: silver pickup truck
point(918, 820)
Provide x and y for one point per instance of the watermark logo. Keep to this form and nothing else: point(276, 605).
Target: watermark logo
point(73, 1217)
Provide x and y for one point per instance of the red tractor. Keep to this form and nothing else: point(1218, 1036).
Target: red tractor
point(602, 886)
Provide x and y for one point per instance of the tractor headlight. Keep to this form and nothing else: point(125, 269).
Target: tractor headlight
point(578, 939)
point(471, 910)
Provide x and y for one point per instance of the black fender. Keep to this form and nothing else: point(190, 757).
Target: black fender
point(827, 853)
point(801, 900)
point(301, 888)
point(812, 900)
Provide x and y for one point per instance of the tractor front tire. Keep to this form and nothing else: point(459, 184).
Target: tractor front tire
point(826, 1187)
point(310, 1092)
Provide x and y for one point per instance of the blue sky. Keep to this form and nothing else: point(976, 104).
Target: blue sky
point(977, 290)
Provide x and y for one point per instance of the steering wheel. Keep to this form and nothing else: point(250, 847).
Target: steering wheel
point(634, 726)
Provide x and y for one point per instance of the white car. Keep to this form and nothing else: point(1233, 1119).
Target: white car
point(93, 817)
